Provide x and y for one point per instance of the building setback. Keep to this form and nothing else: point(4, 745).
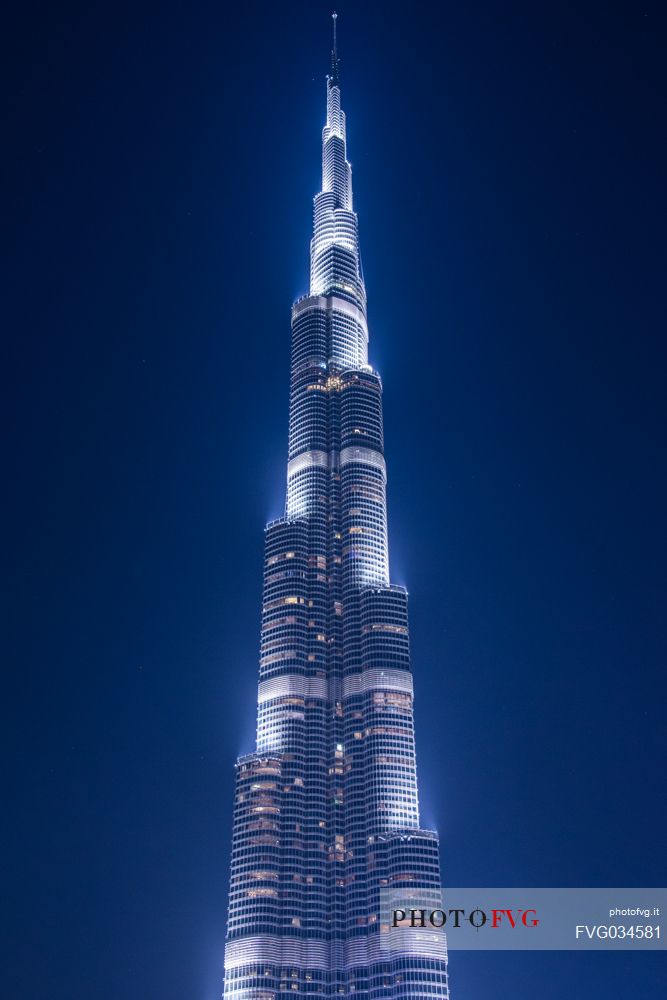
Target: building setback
point(326, 809)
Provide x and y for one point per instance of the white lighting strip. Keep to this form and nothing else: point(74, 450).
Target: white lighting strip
point(277, 687)
point(305, 952)
point(331, 303)
point(381, 680)
point(365, 456)
point(307, 460)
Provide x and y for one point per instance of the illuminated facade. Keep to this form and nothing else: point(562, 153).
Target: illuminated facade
point(326, 809)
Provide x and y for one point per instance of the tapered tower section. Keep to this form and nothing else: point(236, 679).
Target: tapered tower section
point(326, 810)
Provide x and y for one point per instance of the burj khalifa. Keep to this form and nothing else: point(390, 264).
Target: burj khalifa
point(326, 812)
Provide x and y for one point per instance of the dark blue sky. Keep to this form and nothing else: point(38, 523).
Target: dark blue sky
point(509, 173)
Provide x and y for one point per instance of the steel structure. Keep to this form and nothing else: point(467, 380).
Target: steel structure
point(326, 810)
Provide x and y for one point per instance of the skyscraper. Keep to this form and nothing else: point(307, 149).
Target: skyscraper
point(326, 810)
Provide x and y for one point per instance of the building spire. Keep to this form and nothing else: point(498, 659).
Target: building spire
point(335, 68)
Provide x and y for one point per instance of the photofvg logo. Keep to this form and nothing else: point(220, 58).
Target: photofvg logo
point(429, 923)
point(477, 918)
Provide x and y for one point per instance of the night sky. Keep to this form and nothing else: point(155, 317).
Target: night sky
point(509, 174)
